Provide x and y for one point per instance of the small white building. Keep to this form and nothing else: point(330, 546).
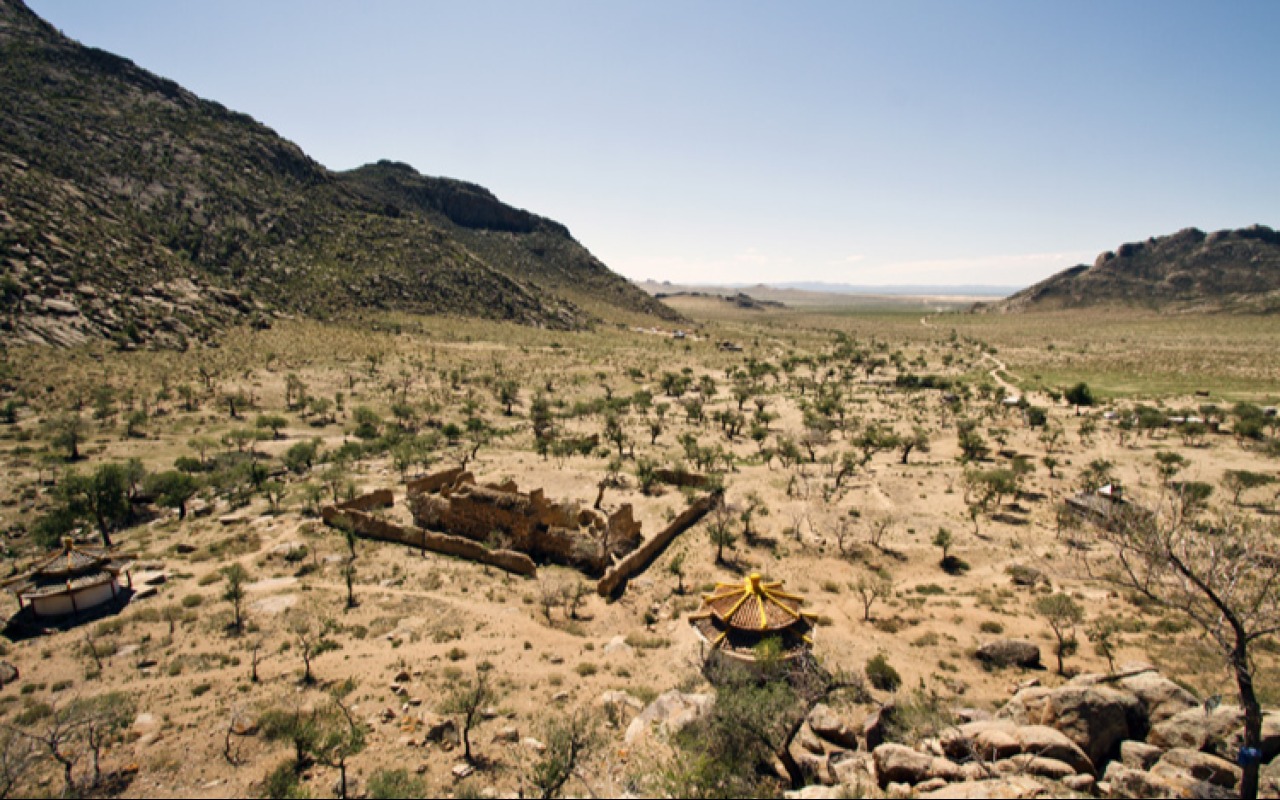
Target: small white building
point(70, 581)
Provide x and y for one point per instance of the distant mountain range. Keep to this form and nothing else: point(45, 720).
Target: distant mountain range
point(132, 209)
point(1229, 270)
point(908, 290)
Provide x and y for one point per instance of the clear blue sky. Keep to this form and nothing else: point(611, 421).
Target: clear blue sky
point(889, 142)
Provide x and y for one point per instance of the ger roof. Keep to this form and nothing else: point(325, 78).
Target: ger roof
point(754, 605)
point(72, 563)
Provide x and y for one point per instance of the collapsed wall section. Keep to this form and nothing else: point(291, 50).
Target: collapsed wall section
point(502, 516)
point(371, 527)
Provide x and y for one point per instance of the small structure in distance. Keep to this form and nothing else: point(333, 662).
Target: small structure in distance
point(72, 580)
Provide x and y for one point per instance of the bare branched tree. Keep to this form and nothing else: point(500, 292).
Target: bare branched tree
point(1225, 577)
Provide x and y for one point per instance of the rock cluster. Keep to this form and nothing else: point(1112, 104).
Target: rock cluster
point(1132, 734)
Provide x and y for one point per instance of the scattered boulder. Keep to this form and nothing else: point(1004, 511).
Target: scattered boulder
point(1139, 755)
point(1219, 732)
point(440, 729)
point(1010, 652)
point(8, 673)
point(509, 734)
point(669, 712)
point(1027, 764)
point(897, 763)
point(619, 706)
point(1096, 718)
point(852, 769)
point(996, 740)
point(244, 725)
point(876, 724)
point(810, 742)
point(828, 725)
point(1126, 782)
point(1201, 766)
point(814, 793)
point(1012, 786)
point(1161, 697)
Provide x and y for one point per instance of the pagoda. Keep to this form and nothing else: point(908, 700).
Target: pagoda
point(737, 617)
point(71, 580)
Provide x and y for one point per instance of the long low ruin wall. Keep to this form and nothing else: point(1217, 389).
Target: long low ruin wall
point(640, 558)
point(437, 481)
point(382, 498)
point(371, 527)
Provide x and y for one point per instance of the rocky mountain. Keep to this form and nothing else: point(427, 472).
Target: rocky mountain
point(132, 209)
point(1231, 270)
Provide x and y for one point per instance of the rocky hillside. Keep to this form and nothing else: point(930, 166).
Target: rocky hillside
point(132, 209)
point(1189, 271)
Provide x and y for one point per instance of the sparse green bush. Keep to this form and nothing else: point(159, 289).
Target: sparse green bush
point(882, 674)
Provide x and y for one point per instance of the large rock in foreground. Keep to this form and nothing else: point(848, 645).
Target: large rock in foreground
point(1220, 732)
point(1096, 718)
point(995, 740)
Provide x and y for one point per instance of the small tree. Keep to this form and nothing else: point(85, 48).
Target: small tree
point(720, 529)
point(756, 717)
point(676, 567)
point(467, 700)
point(943, 540)
point(1079, 395)
point(66, 432)
point(870, 588)
point(1238, 481)
point(173, 489)
point(1063, 614)
point(569, 740)
point(236, 576)
point(309, 630)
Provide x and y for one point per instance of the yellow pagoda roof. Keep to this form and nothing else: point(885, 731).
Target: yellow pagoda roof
point(754, 605)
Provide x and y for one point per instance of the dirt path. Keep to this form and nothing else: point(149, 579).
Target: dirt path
point(995, 374)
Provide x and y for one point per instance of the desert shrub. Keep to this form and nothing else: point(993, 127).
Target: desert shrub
point(882, 674)
point(392, 784)
point(282, 782)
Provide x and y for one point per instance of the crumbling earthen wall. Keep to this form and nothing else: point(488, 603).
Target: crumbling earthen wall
point(382, 498)
point(681, 478)
point(437, 481)
point(371, 527)
point(529, 523)
point(643, 556)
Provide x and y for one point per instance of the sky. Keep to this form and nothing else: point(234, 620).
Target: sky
point(894, 142)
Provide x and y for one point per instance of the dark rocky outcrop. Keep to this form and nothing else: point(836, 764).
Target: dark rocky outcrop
point(1229, 270)
point(133, 210)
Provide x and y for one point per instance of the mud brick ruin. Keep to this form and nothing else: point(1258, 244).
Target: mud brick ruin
point(496, 524)
point(501, 516)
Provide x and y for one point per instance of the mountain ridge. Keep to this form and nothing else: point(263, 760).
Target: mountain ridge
point(133, 209)
point(1188, 271)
